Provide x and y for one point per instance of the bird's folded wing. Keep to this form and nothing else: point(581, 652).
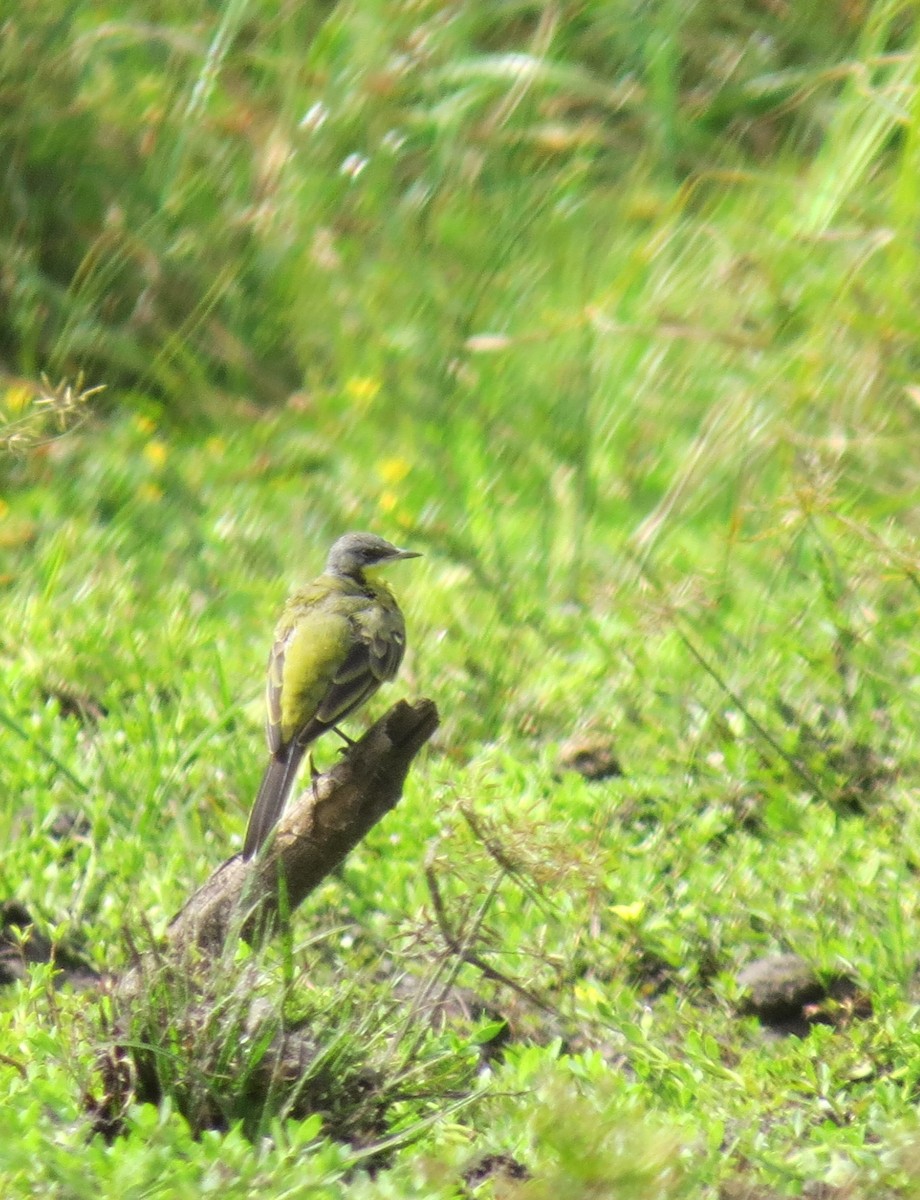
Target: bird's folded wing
point(274, 682)
point(325, 664)
point(302, 667)
point(370, 661)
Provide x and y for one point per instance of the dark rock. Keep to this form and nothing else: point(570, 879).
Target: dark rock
point(77, 703)
point(784, 992)
point(70, 825)
point(590, 755)
point(778, 987)
point(493, 1167)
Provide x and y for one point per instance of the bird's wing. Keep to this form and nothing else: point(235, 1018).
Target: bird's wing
point(274, 682)
point(374, 657)
point(311, 645)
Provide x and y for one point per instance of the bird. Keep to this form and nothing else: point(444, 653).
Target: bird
point(338, 639)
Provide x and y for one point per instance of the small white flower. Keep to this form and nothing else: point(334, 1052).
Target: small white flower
point(315, 117)
point(393, 141)
point(353, 165)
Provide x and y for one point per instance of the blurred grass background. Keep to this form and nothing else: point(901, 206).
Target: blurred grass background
point(610, 309)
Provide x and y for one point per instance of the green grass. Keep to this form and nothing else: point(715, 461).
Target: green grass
point(620, 332)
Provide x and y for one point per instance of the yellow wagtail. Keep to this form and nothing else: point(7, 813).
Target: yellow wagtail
point(338, 639)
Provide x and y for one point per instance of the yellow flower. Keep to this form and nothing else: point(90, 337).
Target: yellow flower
point(393, 470)
point(362, 389)
point(17, 397)
point(628, 912)
point(156, 452)
point(589, 992)
point(151, 493)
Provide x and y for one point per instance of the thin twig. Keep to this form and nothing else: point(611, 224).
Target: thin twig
point(461, 948)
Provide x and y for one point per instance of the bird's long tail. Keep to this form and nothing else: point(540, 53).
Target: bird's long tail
point(273, 792)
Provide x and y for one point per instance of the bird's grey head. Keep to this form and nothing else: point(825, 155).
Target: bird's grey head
point(356, 552)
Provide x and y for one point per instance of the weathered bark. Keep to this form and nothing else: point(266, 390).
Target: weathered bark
point(316, 833)
point(185, 976)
